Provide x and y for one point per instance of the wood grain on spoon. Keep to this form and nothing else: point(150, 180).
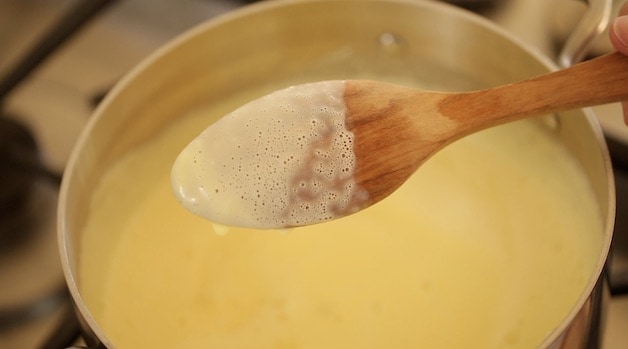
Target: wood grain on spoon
point(320, 151)
point(397, 128)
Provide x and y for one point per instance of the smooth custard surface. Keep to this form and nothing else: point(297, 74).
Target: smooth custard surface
point(488, 246)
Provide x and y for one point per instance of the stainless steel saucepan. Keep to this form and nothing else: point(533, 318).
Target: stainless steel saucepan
point(269, 42)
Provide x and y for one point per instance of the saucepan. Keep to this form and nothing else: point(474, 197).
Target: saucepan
point(270, 44)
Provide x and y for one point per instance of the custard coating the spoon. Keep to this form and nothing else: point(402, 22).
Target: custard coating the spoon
point(280, 161)
point(324, 150)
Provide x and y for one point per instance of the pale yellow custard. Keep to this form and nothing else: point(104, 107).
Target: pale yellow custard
point(282, 160)
point(488, 246)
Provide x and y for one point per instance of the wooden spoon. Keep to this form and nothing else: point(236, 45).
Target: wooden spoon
point(395, 129)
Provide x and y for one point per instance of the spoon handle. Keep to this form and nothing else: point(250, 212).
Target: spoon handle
point(594, 82)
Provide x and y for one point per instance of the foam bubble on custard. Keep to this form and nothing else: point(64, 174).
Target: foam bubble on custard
point(283, 160)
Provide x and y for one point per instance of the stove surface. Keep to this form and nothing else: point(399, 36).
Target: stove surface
point(58, 99)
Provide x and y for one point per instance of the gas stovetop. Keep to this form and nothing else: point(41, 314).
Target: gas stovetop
point(45, 113)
